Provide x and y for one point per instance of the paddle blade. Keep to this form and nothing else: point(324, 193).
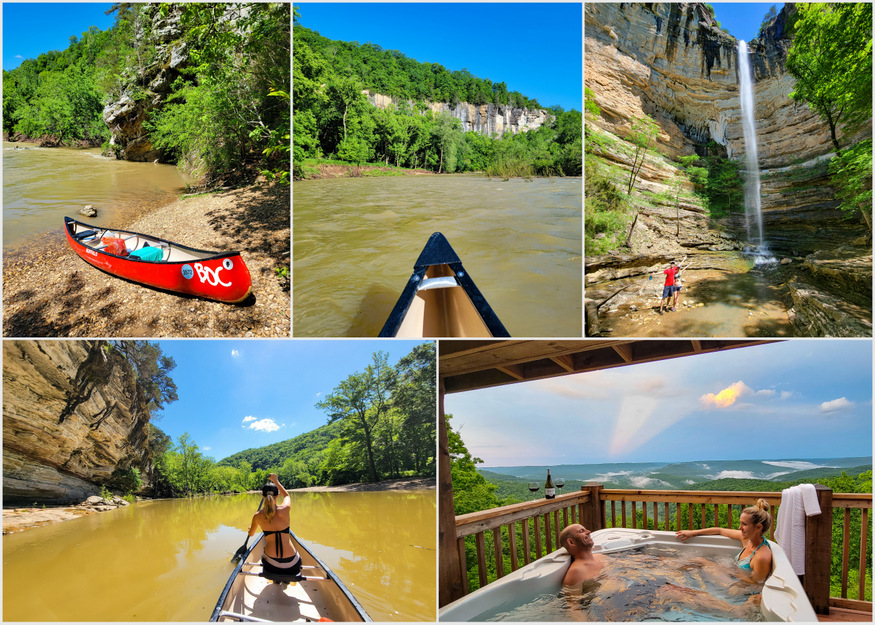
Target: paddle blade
point(239, 553)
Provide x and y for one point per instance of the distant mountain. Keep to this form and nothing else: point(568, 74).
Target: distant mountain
point(683, 475)
point(301, 447)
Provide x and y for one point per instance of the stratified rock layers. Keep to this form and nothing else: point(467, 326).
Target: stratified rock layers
point(72, 414)
point(486, 119)
point(670, 61)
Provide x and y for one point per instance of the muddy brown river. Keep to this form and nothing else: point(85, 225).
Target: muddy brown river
point(168, 560)
point(355, 241)
point(42, 185)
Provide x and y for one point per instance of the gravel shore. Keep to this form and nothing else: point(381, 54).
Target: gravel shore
point(48, 291)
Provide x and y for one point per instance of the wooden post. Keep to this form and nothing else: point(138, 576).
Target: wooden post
point(818, 552)
point(450, 570)
point(591, 511)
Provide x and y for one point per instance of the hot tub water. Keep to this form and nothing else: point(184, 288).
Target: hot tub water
point(651, 583)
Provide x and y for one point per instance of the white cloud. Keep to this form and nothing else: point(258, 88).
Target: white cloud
point(836, 404)
point(235, 353)
point(767, 392)
point(726, 397)
point(265, 425)
point(206, 448)
point(248, 419)
point(744, 475)
point(796, 465)
point(786, 394)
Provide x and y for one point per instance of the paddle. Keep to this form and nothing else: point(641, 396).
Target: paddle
point(242, 551)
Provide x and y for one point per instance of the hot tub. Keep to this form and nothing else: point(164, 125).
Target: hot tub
point(782, 596)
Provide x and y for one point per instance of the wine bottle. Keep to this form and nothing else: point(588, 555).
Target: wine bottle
point(549, 489)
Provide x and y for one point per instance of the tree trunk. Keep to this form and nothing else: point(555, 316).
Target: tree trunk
point(631, 230)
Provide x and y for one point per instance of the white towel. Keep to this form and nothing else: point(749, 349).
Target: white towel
point(797, 502)
point(809, 499)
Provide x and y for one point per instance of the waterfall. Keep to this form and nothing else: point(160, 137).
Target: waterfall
point(752, 208)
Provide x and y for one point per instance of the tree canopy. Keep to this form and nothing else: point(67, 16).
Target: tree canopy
point(831, 59)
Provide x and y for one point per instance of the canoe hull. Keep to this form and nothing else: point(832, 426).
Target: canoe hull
point(256, 598)
point(221, 276)
point(441, 300)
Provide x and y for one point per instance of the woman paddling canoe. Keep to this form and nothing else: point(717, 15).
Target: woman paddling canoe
point(280, 557)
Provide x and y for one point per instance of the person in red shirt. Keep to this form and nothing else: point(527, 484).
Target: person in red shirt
point(668, 289)
point(672, 287)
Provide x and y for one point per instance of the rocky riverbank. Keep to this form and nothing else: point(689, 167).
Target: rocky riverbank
point(20, 519)
point(48, 291)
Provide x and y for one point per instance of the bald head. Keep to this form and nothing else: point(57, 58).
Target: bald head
point(576, 538)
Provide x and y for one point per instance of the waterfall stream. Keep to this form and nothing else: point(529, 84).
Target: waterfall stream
point(752, 207)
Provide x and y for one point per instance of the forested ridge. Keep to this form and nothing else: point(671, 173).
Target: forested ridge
point(205, 85)
point(334, 120)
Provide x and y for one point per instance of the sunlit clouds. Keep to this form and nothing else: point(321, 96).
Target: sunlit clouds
point(726, 397)
point(235, 353)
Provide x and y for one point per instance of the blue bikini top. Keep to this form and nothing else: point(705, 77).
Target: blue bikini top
point(744, 563)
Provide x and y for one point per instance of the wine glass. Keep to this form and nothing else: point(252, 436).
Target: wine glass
point(534, 487)
point(559, 482)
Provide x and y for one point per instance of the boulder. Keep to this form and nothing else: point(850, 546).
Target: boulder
point(88, 210)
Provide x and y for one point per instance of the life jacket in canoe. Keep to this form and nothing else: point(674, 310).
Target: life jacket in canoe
point(114, 245)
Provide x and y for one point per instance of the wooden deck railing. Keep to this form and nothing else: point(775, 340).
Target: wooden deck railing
point(526, 531)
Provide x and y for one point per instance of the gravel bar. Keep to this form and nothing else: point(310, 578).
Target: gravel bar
point(48, 291)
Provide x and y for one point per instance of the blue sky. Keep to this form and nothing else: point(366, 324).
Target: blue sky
point(743, 19)
point(794, 399)
point(240, 394)
point(31, 28)
point(535, 48)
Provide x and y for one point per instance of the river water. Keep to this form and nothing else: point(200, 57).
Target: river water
point(168, 560)
point(356, 239)
point(42, 185)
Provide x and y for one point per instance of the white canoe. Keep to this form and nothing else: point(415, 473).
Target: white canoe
point(316, 595)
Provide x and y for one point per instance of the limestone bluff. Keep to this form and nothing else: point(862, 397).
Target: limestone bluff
point(73, 412)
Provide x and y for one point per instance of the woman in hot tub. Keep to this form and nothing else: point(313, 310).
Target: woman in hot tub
point(755, 555)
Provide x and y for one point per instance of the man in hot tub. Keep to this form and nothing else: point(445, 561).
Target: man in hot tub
point(584, 563)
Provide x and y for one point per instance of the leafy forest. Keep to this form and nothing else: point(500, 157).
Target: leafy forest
point(334, 120)
point(380, 424)
point(475, 490)
point(211, 82)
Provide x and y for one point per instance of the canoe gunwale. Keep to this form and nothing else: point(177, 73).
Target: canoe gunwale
point(437, 251)
point(330, 575)
point(213, 255)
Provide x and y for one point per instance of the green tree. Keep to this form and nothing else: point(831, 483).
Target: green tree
point(852, 174)
point(360, 402)
point(153, 372)
point(831, 59)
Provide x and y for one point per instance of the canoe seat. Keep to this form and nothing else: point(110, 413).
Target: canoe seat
point(85, 234)
point(282, 579)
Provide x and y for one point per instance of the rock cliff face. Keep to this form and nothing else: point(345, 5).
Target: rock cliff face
point(671, 62)
point(485, 118)
point(125, 116)
point(72, 414)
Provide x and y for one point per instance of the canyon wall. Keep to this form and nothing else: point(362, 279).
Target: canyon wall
point(486, 119)
point(72, 414)
point(672, 62)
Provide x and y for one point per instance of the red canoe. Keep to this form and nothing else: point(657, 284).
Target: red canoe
point(158, 263)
